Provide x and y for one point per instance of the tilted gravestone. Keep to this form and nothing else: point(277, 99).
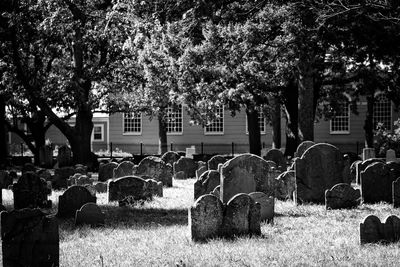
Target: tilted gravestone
point(376, 183)
point(29, 238)
point(215, 161)
point(30, 191)
point(286, 185)
point(247, 173)
point(206, 183)
point(373, 231)
point(267, 205)
point(396, 193)
point(320, 168)
point(90, 214)
point(156, 169)
point(106, 171)
point(73, 199)
point(61, 177)
point(64, 157)
point(303, 147)
point(342, 196)
point(276, 156)
point(170, 157)
point(125, 168)
point(128, 186)
point(360, 167)
point(186, 165)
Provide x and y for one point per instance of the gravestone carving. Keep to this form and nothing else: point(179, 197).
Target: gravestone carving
point(61, 176)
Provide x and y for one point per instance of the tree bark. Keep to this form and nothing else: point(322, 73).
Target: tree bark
point(254, 131)
point(81, 141)
point(3, 133)
point(276, 123)
point(162, 134)
point(369, 122)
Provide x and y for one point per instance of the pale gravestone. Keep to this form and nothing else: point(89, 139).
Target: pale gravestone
point(276, 156)
point(64, 157)
point(90, 214)
point(215, 161)
point(170, 157)
point(376, 183)
point(29, 238)
point(320, 168)
point(156, 169)
point(303, 147)
point(368, 153)
point(30, 191)
point(245, 174)
point(206, 183)
point(73, 199)
point(390, 155)
point(342, 196)
point(396, 193)
point(286, 185)
point(190, 151)
point(128, 186)
point(106, 171)
point(267, 205)
point(187, 166)
point(125, 168)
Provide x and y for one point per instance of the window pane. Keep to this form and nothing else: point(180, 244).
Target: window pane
point(174, 119)
point(340, 123)
point(97, 133)
point(383, 112)
point(217, 126)
point(132, 122)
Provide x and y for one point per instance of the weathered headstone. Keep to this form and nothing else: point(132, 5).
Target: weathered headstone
point(187, 165)
point(155, 168)
point(170, 157)
point(391, 229)
point(303, 147)
point(206, 183)
point(396, 193)
point(205, 218)
point(342, 196)
point(155, 187)
point(394, 168)
point(73, 199)
point(101, 187)
point(247, 173)
point(29, 238)
point(371, 230)
point(106, 171)
point(91, 214)
point(215, 161)
point(61, 176)
point(64, 157)
point(368, 153)
point(360, 167)
point(125, 168)
point(46, 156)
point(286, 185)
point(128, 186)
point(319, 168)
point(267, 205)
point(376, 183)
point(200, 171)
point(276, 156)
point(391, 155)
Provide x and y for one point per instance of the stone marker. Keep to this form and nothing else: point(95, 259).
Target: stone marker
point(83, 180)
point(155, 187)
point(29, 238)
point(276, 156)
point(101, 187)
point(396, 193)
point(206, 183)
point(190, 151)
point(64, 157)
point(186, 165)
point(156, 169)
point(342, 196)
point(170, 157)
point(360, 167)
point(91, 214)
point(216, 192)
point(106, 171)
point(391, 155)
point(46, 156)
point(376, 183)
point(267, 205)
point(368, 153)
point(73, 199)
point(394, 168)
point(125, 168)
point(373, 231)
point(61, 176)
point(205, 218)
point(128, 186)
point(286, 185)
point(215, 161)
point(200, 171)
point(319, 168)
point(303, 147)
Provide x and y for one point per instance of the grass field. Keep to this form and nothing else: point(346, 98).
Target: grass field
point(156, 234)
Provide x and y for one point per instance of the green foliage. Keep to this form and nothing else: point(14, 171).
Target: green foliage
point(385, 139)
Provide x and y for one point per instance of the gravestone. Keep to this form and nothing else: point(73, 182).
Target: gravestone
point(247, 173)
point(320, 168)
point(186, 165)
point(106, 171)
point(90, 188)
point(303, 147)
point(90, 214)
point(390, 155)
point(360, 167)
point(28, 167)
point(342, 196)
point(206, 183)
point(83, 180)
point(45, 174)
point(125, 168)
point(205, 218)
point(61, 176)
point(101, 187)
point(267, 205)
point(394, 168)
point(190, 151)
point(155, 168)
point(391, 229)
point(200, 171)
point(373, 231)
point(128, 186)
point(286, 185)
point(72, 179)
point(31, 192)
point(353, 171)
point(376, 183)
point(216, 192)
point(46, 156)
point(396, 193)
point(368, 153)
point(64, 157)
point(215, 161)
point(155, 187)
point(170, 157)
point(276, 156)
point(180, 175)
point(29, 238)
point(73, 199)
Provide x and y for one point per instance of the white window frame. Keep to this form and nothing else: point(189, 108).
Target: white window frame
point(223, 125)
point(260, 113)
point(171, 110)
point(331, 131)
point(391, 111)
point(132, 133)
point(102, 133)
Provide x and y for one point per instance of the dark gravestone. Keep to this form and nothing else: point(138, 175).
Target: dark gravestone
point(267, 205)
point(205, 218)
point(128, 186)
point(155, 187)
point(215, 161)
point(320, 168)
point(396, 193)
point(286, 185)
point(200, 171)
point(101, 187)
point(342, 196)
point(156, 169)
point(106, 171)
point(187, 166)
point(125, 168)
point(73, 199)
point(373, 231)
point(303, 147)
point(31, 192)
point(276, 156)
point(353, 171)
point(360, 167)
point(64, 157)
point(90, 214)
point(170, 157)
point(28, 167)
point(394, 168)
point(61, 177)
point(206, 183)
point(29, 238)
point(376, 183)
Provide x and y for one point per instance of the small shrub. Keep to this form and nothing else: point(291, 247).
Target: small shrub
point(385, 140)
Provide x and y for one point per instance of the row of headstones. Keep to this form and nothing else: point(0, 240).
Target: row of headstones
point(372, 230)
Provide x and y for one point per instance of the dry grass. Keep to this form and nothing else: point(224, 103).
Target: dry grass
point(156, 234)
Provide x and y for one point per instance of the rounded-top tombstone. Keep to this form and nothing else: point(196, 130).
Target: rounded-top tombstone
point(73, 199)
point(303, 147)
point(215, 161)
point(170, 157)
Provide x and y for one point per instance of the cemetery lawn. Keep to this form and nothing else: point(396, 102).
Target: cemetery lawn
point(156, 234)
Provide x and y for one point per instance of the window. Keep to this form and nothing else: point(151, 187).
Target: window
point(261, 122)
point(132, 123)
point(174, 120)
point(340, 122)
point(98, 132)
point(382, 112)
point(217, 126)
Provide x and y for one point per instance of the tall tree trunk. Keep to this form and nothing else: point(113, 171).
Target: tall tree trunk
point(3, 133)
point(369, 122)
point(162, 134)
point(80, 141)
point(276, 122)
point(254, 131)
point(290, 94)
